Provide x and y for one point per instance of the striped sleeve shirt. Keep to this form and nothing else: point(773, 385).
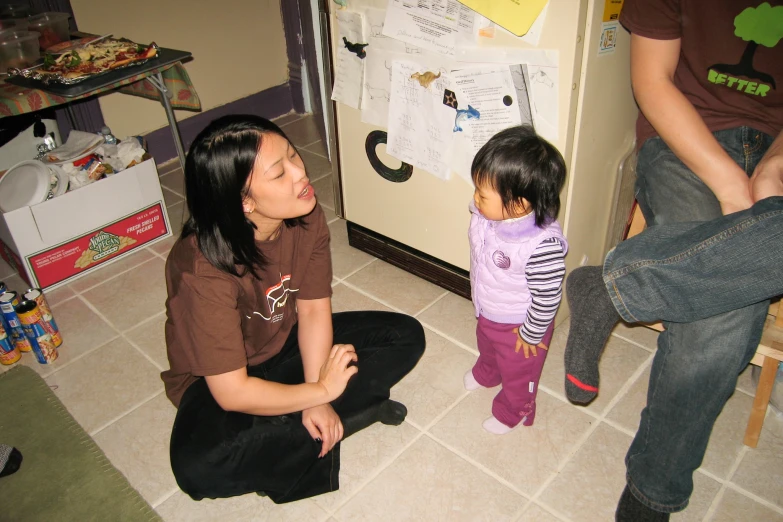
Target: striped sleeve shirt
point(544, 271)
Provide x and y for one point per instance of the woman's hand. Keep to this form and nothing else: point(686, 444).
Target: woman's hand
point(336, 371)
point(323, 423)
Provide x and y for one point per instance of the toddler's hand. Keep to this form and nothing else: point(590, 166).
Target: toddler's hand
point(527, 348)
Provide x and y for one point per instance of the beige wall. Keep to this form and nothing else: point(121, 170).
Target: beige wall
point(238, 49)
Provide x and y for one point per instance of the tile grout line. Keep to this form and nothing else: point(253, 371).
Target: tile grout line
point(439, 417)
point(357, 270)
point(427, 307)
point(165, 188)
point(118, 274)
point(143, 321)
point(752, 496)
point(594, 426)
point(79, 357)
point(140, 323)
point(310, 145)
point(627, 386)
point(319, 178)
point(171, 189)
point(164, 498)
point(421, 433)
point(158, 254)
point(125, 413)
point(65, 300)
point(729, 484)
point(371, 296)
point(562, 517)
point(426, 325)
point(370, 477)
point(316, 152)
point(143, 353)
point(481, 467)
point(635, 343)
point(450, 338)
point(722, 490)
point(99, 314)
point(298, 117)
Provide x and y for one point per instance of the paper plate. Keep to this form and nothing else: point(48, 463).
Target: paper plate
point(26, 183)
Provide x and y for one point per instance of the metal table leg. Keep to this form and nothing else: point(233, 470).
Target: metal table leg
point(165, 96)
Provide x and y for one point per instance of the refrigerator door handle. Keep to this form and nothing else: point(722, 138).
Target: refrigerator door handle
point(329, 113)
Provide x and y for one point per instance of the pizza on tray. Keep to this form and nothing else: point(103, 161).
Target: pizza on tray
point(96, 58)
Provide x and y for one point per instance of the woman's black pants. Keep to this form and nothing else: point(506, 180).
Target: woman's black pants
point(215, 453)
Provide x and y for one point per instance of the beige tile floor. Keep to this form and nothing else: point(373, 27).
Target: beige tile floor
point(440, 464)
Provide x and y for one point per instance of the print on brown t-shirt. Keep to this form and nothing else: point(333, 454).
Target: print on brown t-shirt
point(731, 58)
point(217, 323)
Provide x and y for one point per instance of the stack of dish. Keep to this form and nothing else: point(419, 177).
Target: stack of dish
point(29, 183)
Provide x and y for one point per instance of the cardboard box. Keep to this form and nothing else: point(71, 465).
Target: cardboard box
point(59, 240)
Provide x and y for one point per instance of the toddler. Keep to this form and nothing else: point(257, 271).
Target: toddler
point(517, 252)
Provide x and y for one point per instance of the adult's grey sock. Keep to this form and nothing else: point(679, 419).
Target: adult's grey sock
point(593, 317)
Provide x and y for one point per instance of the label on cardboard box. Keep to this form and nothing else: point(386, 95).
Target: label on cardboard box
point(90, 250)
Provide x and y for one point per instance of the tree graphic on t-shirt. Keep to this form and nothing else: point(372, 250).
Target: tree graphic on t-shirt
point(762, 25)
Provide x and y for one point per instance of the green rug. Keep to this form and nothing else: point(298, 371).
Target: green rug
point(64, 475)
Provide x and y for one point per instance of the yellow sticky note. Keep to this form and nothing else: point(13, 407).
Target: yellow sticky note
point(612, 10)
point(515, 16)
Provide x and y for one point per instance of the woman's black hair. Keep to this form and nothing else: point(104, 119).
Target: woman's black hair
point(518, 163)
point(217, 169)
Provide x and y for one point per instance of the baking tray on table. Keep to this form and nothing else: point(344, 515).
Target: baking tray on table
point(164, 57)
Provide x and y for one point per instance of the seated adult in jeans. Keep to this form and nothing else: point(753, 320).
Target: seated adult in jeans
point(708, 78)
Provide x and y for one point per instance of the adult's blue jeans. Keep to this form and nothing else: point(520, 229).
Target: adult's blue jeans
point(699, 357)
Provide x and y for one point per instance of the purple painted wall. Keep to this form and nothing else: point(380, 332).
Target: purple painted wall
point(270, 103)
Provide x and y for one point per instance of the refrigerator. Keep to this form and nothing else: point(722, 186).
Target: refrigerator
point(421, 225)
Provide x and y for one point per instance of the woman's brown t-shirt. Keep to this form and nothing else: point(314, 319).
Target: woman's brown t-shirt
point(217, 323)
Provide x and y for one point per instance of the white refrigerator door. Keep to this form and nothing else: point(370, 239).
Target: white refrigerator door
point(603, 135)
point(425, 212)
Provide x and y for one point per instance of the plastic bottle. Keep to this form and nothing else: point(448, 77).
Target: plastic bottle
point(108, 137)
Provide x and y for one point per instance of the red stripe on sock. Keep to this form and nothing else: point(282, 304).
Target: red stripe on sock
point(576, 382)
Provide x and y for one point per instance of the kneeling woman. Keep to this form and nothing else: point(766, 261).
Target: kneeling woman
point(266, 380)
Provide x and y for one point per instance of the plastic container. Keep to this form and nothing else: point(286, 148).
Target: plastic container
point(20, 24)
point(53, 28)
point(18, 49)
point(18, 11)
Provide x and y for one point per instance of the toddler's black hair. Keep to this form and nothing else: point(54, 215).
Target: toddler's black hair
point(518, 163)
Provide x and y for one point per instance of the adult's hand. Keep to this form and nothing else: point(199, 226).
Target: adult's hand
point(653, 65)
point(767, 179)
point(336, 371)
point(741, 200)
point(323, 423)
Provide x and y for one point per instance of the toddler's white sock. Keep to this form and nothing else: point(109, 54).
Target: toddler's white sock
point(493, 425)
point(470, 382)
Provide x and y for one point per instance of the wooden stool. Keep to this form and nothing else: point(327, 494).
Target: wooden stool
point(768, 356)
